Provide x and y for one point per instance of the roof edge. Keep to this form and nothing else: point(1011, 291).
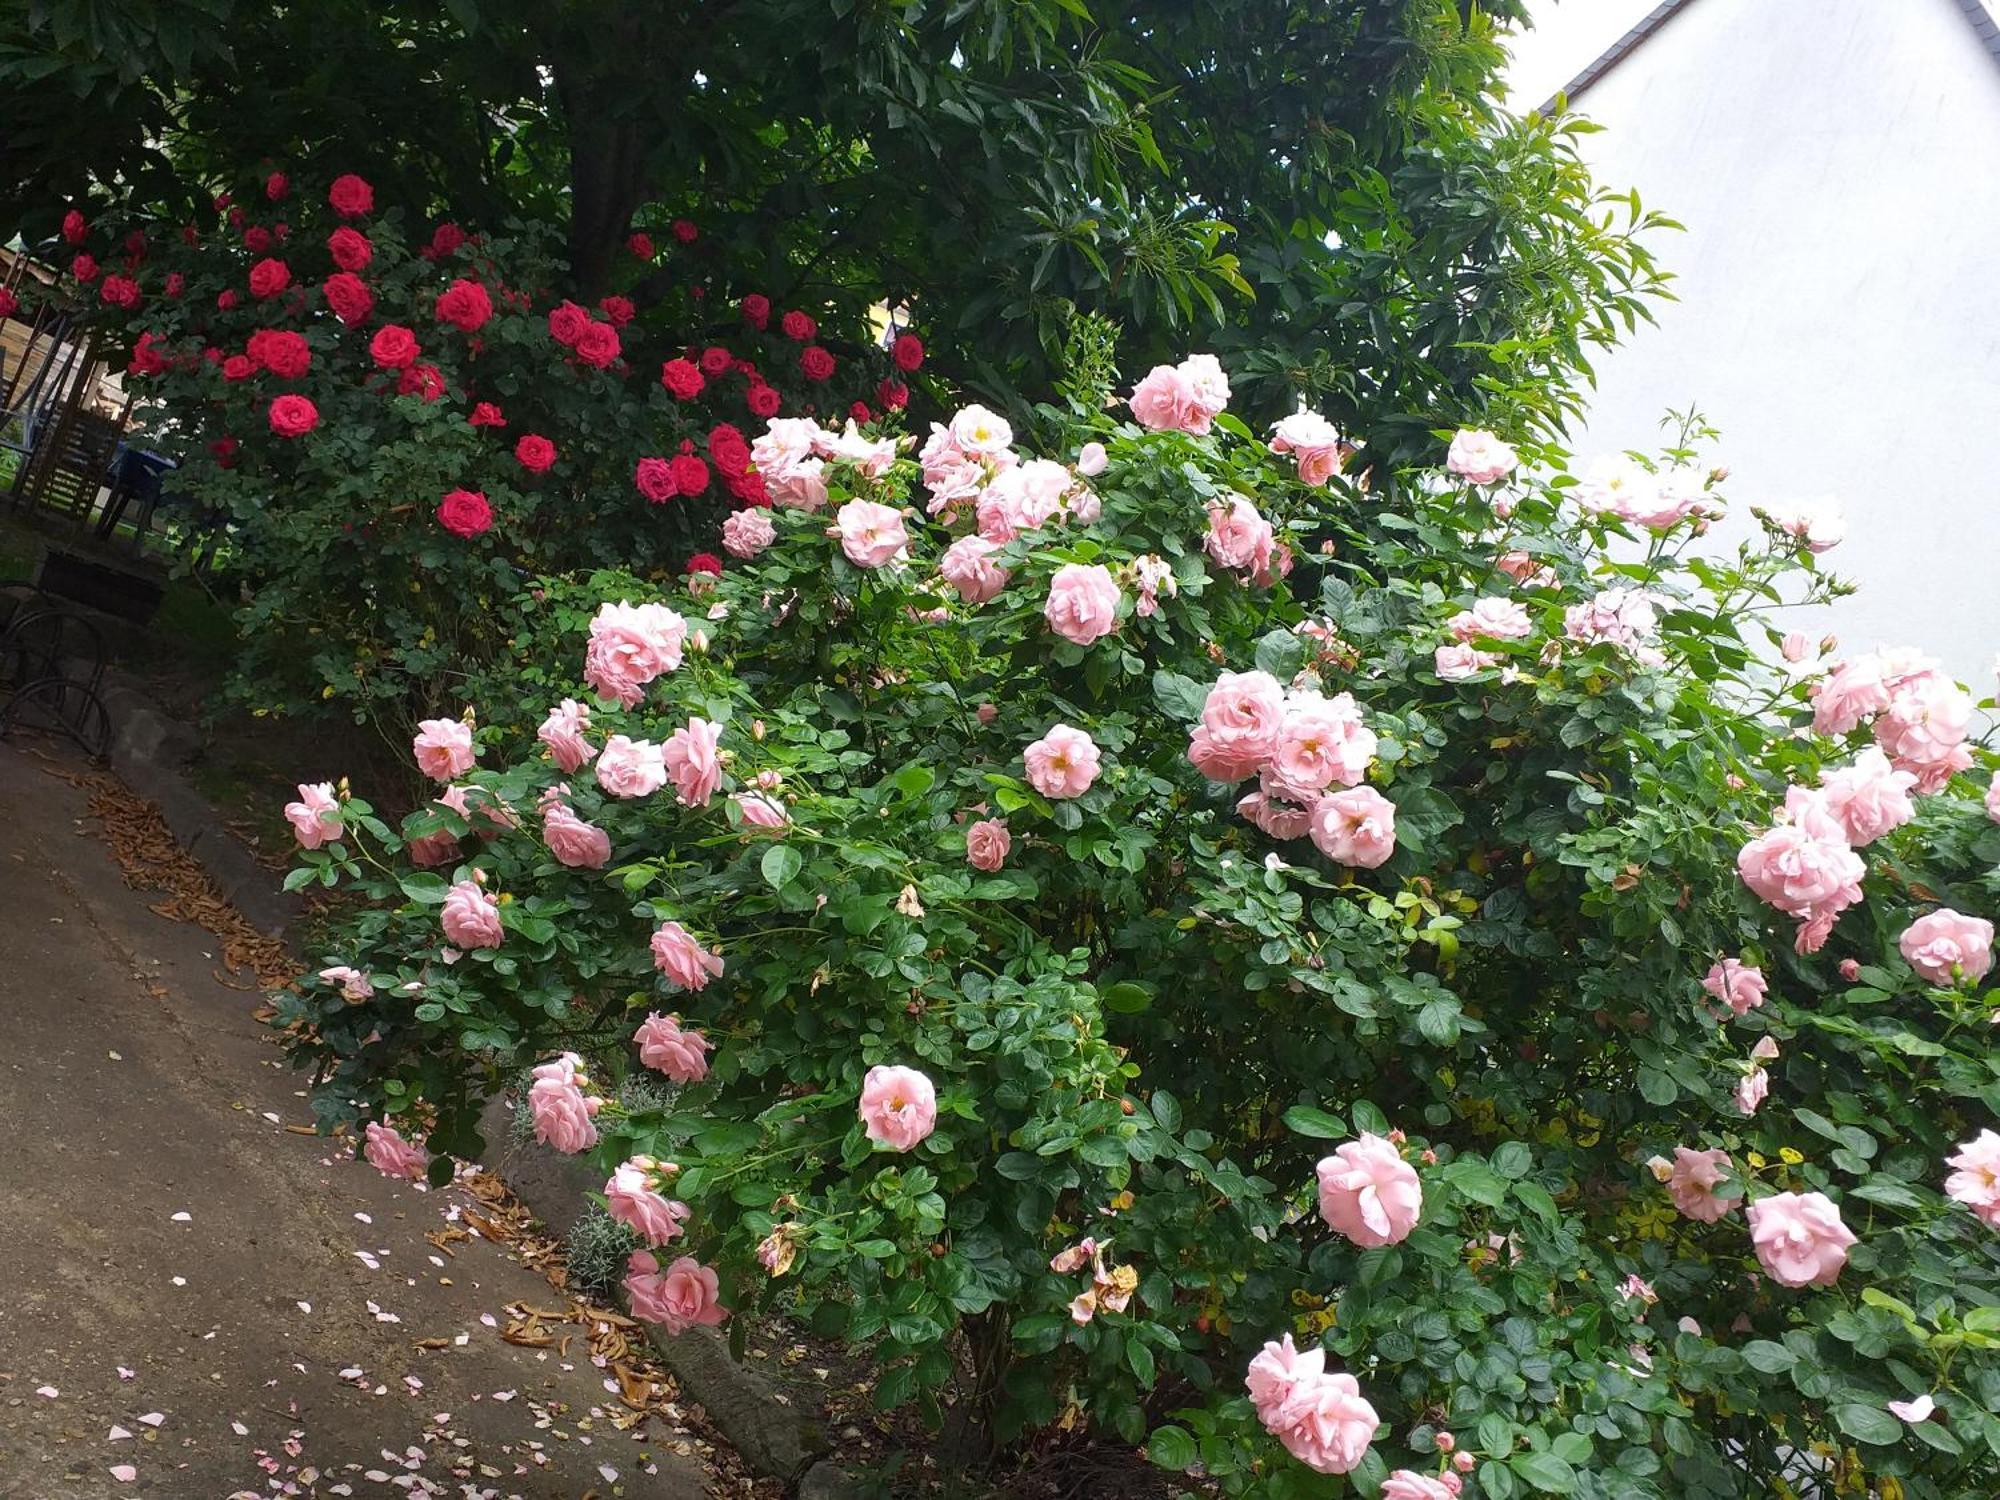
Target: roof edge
point(1637, 37)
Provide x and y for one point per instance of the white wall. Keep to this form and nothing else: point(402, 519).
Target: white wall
point(1837, 165)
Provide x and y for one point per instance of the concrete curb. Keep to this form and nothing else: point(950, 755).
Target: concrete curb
point(775, 1437)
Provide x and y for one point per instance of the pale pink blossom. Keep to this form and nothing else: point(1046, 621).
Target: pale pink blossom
point(685, 1295)
point(580, 845)
point(1491, 619)
point(796, 486)
point(470, 917)
point(1355, 827)
point(1612, 484)
point(1639, 1289)
point(786, 441)
point(630, 645)
point(1522, 568)
point(1692, 1180)
point(692, 762)
point(1857, 690)
point(1456, 662)
point(1369, 1193)
point(1082, 606)
point(315, 817)
point(872, 456)
point(1152, 576)
point(667, 1047)
point(683, 960)
point(1799, 1238)
point(1322, 741)
point(1924, 729)
point(480, 807)
point(1314, 443)
point(1169, 399)
point(354, 984)
point(987, 844)
point(1818, 524)
point(388, 1153)
point(1091, 459)
point(1239, 537)
point(1976, 1182)
point(1674, 494)
point(631, 1199)
point(1751, 1091)
point(745, 533)
point(1919, 1410)
point(1406, 1484)
point(1240, 723)
point(1280, 1380)
point(1868, 798)
point(1794, 646)
point(1479, 456)
point(1622, 616)
point(1025, 497)
point(898, 1107)
point(563, 732)
point(979, 433)
point(631, 768)
point(444, 748)
point(760, 811)
point(1083, 1307)
point(1062, 763)
point(1993, 798)
point(1322, 1419)
point(870, 534)
point(1806, 871)
point(1946, 947)
point(1738, 985)
point(968, 567)
point(1075, 1258)
point(1274, 813)
point(564, 1115)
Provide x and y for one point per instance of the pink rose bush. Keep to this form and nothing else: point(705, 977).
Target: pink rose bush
point(1073, 924)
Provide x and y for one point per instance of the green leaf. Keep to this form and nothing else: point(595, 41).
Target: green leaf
point(1140, 1358)
point(1868, 1424)
point(1171, 1448)
point(1545, 1472)
point(1182, 697)
point(914, 780)
point(1166, 1109)
point(1513, 1159)
point(1128, 997)
point(1656, 1087)
point(1303, 1119)
point(894, 1386)
point(780, 866)
point(1017, 1166)
point(1768, 1358)
point(425, 888)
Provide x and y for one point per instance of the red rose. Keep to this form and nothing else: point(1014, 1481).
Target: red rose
point(446, 239)
point(763, 400)
point(268, 278)
point(9, 304)
point(212, 354)
point(235, 218)
point(815, 363)
point(685, 232)
point(349, 297)
point(566, 324)
point(715, 360)
point(704, 562)
point(74, 228)
point(655, 479)
point(257, 239)
point(420, 380)
point(682, 380)
point(238, 367)
point(907, 352)
point(597, 346)
point(465, 305)
point(350, 249)
point(893, 394)
point(618, 309)
point(486, 414)
point(146, 358)
point(465, 513)
point(120, 291)
point(84, 268)
point(860, 412)
point(350, 196)
point(641, 245)
point(281, 231)
point(280, 351)
point(293, 416)
point(727, 447)
point(275, 187)
point(394, 347)
point(796, 325)
point(535, 454)
point(749, 489)
point(690, 474)
point(226, 299)
point(757, 310)
point(176, 283)
point(224, 449)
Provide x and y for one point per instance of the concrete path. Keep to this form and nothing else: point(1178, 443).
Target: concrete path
point(245, 1303)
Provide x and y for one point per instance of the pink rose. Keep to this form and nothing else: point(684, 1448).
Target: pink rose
point(1355, 827)
point(1976, 1183)
point(1799, 1238)
point(898, 1107)
point(563, 1114)
point(1091, 459)
point(978, 433)
point(631, 1199)
point(1181, 398)
point(443, 748)
point(1314, 443)
point(631, 768)
point(1820, 525)
point(1404, 1484)
point(354, 983)
point(1857, 690)
point(1993, 799)
point(1924, 729)
point(1281, 1380)
point(1868, 798)
point(1322, 741)
point(1477, 455)
point(388, 1153)
point(1947, 947)
point(1025, 497)
point(967, 567)
point(470, 917)
point(760, 811)
point(1491, 619)
point(580, 845)
point(1275, 814)
point(1692, 1182)
point(1751, 1091)
point(678, 956)
point(439, 848)
point(685, 1295)
point(987, 844)
point(1369, 1193)
point(870, 534)
point(691, 761)
point(1068, 1262)
point(1622, 616)
point(315, 817)
point(665, 1047)
point(1455, 663)
point(1083, 603)
point(1240, 723)
point(1239, 537)
point(1062, 763)
point(1332, 1426)
point(562, 731)
point(745, 533)
point(1806, 872)
point(629, 646)
point(1738, 985)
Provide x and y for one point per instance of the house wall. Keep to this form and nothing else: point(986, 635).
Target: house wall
point(1837, 165)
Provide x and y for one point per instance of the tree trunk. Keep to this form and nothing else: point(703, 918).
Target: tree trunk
point(607, 162)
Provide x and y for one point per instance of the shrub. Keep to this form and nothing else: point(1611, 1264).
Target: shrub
point(1170, 904)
